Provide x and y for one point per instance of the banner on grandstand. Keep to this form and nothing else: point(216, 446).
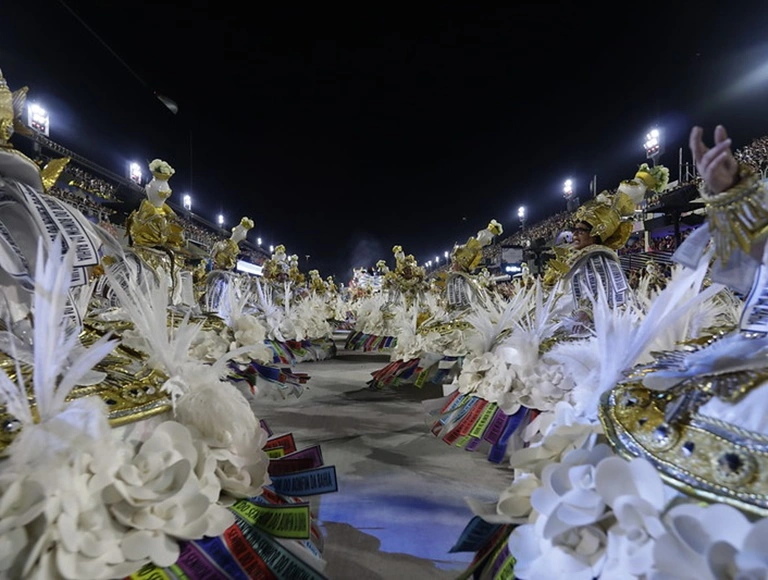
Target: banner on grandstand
point(512, 255)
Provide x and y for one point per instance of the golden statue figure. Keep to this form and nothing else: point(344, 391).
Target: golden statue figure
point(154, 223)
point(224, 252)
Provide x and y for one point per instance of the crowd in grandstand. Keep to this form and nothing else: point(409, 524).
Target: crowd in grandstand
point(86, 192)
point(91, 209)
point(87, 182)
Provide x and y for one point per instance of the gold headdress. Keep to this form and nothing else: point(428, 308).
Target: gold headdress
point(606, 214)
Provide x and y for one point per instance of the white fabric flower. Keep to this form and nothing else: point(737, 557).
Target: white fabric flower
point(567, 495)
point(515, 501)
point(22, 500)
point(547, 386)
point(700, 541)
point(555, 444)
point(488, 377)
point(576, 554)
point(636, 493)
point(205, 469)
point(242, 474)
point(87, 538)
point(750, 562)
point(209, 346)
point(159, 496)
point(248, 330)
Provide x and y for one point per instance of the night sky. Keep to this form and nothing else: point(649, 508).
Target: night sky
point(342, 131)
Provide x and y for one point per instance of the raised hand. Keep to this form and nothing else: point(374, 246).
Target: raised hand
point(716, 165)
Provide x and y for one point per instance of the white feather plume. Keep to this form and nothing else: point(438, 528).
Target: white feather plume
point(59, 363)
point(490, 318)
point(145, 301)
point(625, 336)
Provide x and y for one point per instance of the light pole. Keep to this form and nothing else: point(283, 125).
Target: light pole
point(571, 201)
point(40, 122)
point(653, 145)
point(258, 241)
point(521, 217)
point(134, 173)
point(38, 118)
point(568, 189)
point(187, 202)
point(220, 220)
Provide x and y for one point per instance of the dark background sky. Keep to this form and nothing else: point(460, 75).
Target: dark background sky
point(342, 131)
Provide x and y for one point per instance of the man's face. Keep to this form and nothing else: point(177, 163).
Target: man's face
point(581, 236)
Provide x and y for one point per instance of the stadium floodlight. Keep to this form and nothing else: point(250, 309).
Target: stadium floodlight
point(258, 241)
point(437, 259)
point(38, 118)
point(187, 202)
point(653, 146)
point(446, 254)
point(134, 172)
point(221, 220)
point(568, 189)
point(521, 216)
point(271, 249)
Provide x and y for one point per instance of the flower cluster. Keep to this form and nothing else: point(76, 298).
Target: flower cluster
point(592, 514)
point(495, 228)
point(488, 376)
point(247, 223)
point(160, 167)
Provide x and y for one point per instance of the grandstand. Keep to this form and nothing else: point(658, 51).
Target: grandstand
point(107, 198)
point(667, 218)
point(665, 222)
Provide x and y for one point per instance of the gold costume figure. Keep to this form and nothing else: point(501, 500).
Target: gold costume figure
point(224, 254)
point(155, 226)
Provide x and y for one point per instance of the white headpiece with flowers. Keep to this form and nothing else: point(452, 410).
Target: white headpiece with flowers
point(161, 169)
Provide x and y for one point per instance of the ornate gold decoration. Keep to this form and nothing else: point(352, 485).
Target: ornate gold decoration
point(701, 456)
point(155, 226)
point(444, 328)
point(224, 254)
point(606, 214)
point(7, 114)
point(738, 216)
point(131, 390)
point(52, 170)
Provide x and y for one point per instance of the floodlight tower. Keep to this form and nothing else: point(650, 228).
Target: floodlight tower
point(653, 145)
point(521, 217)
point(571, 201)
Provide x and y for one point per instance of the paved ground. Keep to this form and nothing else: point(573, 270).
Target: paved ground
point(400, 505)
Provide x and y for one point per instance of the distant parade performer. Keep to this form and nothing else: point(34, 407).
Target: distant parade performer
point(600, 228)
point(154, 224)
point(225, 252)
point(156, 236)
